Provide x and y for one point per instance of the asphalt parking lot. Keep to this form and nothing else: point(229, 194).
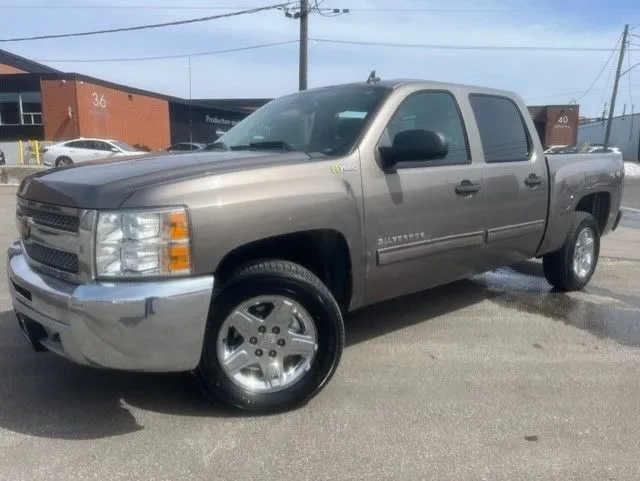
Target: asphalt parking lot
point(494, 378)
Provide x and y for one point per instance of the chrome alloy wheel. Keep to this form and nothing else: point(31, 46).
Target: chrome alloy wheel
point(584, 253)
point(267, 344)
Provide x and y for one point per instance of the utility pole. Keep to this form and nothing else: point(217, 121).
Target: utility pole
point(302, 13)
point(304, 45)
point(615, 86)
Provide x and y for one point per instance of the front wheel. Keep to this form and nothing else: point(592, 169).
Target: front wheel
point(571, 267)
point(274, 338)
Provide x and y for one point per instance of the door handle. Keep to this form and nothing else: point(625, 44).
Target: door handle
point(466, 187)
point(533, 180)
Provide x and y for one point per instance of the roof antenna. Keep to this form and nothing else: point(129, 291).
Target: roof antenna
point(372, 78)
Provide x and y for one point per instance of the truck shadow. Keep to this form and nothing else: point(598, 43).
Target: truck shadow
point(382, 318)
point(45, 396)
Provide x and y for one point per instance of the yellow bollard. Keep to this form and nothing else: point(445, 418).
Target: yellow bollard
point(21, 151)
point(37, 152)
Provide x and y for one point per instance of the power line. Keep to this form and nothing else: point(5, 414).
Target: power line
point(630, 88)
point(328, 12)
point(464, 47)
point(167, 57)
point(484, 11)
point(120, 7)
point(231, 50)
point(566, 94)
point(356, 9)
point(145, 27)
point(607, 88)
point(601, 71)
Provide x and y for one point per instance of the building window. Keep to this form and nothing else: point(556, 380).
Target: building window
point(9, 109)
point(23, 108)
point(31, 103)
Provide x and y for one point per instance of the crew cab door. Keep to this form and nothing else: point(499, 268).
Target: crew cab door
point(516, 179)
point(424, 221)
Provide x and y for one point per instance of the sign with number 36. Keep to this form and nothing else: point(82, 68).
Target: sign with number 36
point(99, 100)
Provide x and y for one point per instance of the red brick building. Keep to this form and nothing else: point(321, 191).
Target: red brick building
point(80, 107)
point(38, 102)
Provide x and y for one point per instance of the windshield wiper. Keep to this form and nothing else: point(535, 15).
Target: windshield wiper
point(264, 144)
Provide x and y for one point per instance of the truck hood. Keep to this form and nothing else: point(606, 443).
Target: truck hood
point(106, 184)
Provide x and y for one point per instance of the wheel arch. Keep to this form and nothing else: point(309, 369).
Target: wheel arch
point(324, 252)
point(598, 204)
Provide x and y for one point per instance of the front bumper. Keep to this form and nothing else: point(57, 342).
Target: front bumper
point(135, 326)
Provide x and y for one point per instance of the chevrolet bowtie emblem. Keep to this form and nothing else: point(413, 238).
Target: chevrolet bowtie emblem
point(25, 229)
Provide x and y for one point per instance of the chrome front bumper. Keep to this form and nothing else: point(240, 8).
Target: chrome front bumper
point(136, 326)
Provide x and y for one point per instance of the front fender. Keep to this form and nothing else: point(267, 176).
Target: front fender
point(281, 207)
point(233, 209)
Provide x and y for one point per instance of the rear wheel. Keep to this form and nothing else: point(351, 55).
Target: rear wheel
point(60, 161)
point(274, 338)
point(571, 267)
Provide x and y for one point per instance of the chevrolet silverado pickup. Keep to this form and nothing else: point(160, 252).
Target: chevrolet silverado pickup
point(239, 262)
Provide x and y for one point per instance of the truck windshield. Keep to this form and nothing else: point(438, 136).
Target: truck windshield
point(329, 120)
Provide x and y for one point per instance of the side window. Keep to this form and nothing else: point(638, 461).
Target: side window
point(105, 147)
point(502, 130)
point(437, 111)
point(75, 145)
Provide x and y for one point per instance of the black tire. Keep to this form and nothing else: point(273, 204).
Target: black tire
point(558, 265)
point(273, 277)
point(60, 161)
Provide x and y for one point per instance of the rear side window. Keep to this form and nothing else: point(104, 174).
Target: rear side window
point(502, 130)
point(102, 146)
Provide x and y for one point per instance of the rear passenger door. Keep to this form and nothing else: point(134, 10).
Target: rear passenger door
point(515, 179)
point(422, 228)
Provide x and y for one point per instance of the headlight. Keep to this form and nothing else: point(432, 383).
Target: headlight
point(143, 243)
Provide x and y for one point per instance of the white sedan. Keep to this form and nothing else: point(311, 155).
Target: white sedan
point(82, 150)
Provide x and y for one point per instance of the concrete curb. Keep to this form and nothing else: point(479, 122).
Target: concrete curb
point(13, 174)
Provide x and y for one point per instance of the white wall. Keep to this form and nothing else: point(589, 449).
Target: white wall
point(625, 134)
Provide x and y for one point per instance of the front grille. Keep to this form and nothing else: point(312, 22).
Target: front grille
point(50, 249)
point(54, 258)
point(52, 219)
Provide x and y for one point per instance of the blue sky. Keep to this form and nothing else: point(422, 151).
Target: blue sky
point(541, 77)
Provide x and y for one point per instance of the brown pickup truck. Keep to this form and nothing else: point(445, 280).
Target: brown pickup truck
point(239, 262)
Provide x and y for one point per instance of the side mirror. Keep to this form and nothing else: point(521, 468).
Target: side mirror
point(113, 149)
point(413, 146)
